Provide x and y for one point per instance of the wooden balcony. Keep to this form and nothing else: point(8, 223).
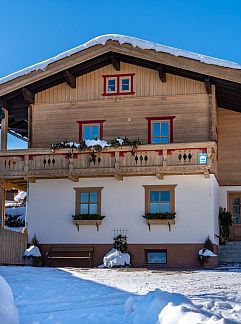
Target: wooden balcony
point(159, 160)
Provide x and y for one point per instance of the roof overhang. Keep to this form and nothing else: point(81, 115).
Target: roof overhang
point(17, 94)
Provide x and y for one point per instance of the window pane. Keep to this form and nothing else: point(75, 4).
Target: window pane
point(84, 197)
point(111, 85)
point(125, 84)
point(165, 129)
point(156, 257)
point(164, 140)
point(84, 209)
point(154, 208)
point(86, 132)
point(95, 132)
point(154, 196)
point(93, 197)
point(93, 209)
point(165, 207)
point(156, 129)
point(165, 196)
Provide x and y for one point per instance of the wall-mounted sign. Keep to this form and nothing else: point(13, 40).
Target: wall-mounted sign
point(203, 158)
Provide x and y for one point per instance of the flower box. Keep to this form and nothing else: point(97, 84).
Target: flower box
point(160, 221)
point(96, 222)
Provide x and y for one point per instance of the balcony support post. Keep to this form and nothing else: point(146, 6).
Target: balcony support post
point(2, 203)
point(4, 130)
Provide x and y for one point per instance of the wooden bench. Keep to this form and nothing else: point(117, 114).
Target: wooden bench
point(57, 253)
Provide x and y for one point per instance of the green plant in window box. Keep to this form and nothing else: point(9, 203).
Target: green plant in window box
point(88, 217)
point(225, 221)
point(168, 215)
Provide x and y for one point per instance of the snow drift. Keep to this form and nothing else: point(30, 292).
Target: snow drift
point(8, 310)
point(161, 307)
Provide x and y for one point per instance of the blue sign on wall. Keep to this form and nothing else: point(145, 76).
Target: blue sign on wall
point(203, 158)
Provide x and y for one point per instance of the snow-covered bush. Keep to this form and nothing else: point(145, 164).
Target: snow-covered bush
point(8, 310)
point(116, 258)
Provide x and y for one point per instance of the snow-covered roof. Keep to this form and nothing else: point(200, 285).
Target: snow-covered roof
point(136, 42)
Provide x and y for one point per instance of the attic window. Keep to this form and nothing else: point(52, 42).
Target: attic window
point(118, 84)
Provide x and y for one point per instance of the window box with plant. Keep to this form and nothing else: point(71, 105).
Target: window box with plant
point(87, 219)
point(160, 205)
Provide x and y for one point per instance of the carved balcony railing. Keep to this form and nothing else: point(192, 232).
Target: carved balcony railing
point(188, 158)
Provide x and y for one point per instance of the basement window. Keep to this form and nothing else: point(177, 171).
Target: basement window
point(118, 84)
point(156, 256)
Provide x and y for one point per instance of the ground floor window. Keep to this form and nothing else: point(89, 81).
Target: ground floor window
point(88, 201)
point(156, 256)
point(159, 199)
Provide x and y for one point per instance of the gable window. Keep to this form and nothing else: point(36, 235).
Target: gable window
point(159, 199)
point(90, 129)
point(112, 85)
point(160, 130)
point(118, 84)
point(88, 201)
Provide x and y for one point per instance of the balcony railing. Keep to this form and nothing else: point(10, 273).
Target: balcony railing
point(188, 158)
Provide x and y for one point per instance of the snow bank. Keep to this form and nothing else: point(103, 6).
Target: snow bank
point(161, 307)
point(116, 258)
point(136, 42)
point(8, 310)
point(206, 252)
point(32, 251)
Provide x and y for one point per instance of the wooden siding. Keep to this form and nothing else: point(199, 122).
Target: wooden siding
point(229, 147)
point(146, 83)
point(12, 247)
point(123, 116)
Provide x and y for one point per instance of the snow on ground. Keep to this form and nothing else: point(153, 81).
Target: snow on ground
point(112, 296)
point(8, 310)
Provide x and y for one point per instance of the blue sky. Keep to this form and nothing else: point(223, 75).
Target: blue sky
point(32, 31)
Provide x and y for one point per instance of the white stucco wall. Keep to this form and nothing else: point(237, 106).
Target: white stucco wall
point(52, 203)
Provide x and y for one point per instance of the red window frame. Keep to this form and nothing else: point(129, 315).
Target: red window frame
point(168, 118)
point(118, 88)
point(84, 122)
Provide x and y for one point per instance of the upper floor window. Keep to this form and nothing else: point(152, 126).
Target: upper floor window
point(90, 129)
point(160, 130)
point(118, 84)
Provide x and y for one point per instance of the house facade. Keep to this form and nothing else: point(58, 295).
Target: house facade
point(167, 123)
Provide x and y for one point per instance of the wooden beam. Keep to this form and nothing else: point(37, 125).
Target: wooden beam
point(115, 61)
point(3, 104)
point(4, 131)
point(28, 95)
point(73, 178)
point(160, 176)
point(2, 204)
point(70, 78)
point(30, 109)
point(162, 74)
point(208, 85)
point(118, 177)
point(10, 185)
point(30, 179)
